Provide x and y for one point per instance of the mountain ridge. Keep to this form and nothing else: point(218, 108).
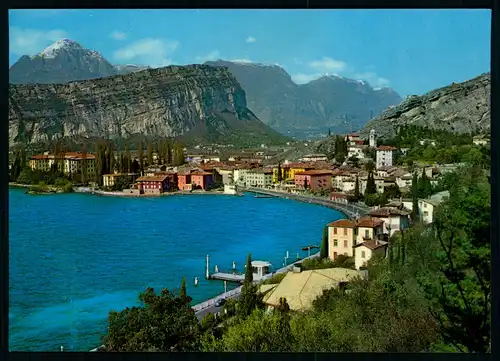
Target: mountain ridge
point(459, 107)
point(204, 102)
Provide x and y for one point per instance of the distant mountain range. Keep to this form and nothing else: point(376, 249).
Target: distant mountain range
point(330, 102)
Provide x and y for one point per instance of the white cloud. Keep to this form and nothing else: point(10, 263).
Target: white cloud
point(154, 52)
point(302, 78)
point(328, 65)
point(372, 78)
point(213, 55)
point(251, 39)
point(118, 35)
point(32, 41)
point(298, 61)
point(241, 60)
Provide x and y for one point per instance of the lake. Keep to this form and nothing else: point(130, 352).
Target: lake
point(74, 257)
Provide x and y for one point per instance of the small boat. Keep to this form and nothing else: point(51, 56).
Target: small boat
point(308, 248)
point(262, 196)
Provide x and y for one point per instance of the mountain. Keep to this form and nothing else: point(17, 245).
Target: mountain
point(330, 102)
point(459, 108)
point(196, 102)
point(65, 61)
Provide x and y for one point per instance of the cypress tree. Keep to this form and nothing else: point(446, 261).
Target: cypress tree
point(324, 244)
point(248, 271)
point(371, 188)
point(141, 156)
point(357, 195)
point(183, 290)
point(150, 153)
point(414, 195)
point(280, 178)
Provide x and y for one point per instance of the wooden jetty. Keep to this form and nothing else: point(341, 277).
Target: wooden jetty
point(230, 277)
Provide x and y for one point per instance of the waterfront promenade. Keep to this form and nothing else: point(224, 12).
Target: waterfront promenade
point(351, 210)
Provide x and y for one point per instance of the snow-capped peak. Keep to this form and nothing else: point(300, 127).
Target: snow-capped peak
point(361, 82)
point(66, 45)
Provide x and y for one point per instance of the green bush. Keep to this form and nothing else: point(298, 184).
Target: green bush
point(277, 278)
point(208, 321)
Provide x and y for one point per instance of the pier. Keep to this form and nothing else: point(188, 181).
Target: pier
point(230, 277)
point(351, 210)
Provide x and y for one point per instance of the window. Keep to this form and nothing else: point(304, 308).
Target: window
point(425, 205)
point(335, 243)
point(345, 243)
point(335, 231)
point(426, 213)
point(367, 233)
point(345, 231)
point(363, 254)
point(345, 254)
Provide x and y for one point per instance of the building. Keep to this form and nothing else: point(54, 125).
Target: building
point(344, 234)
point(70, 163)
point(341, 238)
point(184, 181)
point(288, 171)
point(394, 219)
point(353, 139)
point(239, 174)
point(373, 139)
point(316, 179)
point(109, 180)
point(300, 289)
point(385, 156)
point(314, 158)
point(356, 151)
point(367, 249)
point(261, 178)
point(339, 197)
point(200, 179)
point(153, 185)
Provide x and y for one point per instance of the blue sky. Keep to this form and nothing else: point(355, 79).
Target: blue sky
point(412, 51)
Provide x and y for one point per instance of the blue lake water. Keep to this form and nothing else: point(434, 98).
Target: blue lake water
point(75, 257)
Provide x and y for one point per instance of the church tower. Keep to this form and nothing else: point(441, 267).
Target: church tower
point(373, 139)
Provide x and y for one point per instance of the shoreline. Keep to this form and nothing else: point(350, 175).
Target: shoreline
point(166, 194)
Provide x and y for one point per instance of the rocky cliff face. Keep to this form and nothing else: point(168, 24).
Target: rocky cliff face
point(330, 102)
point(460, 108)
point(165, 102)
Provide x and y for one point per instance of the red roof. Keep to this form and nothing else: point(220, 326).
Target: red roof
point(386, 148)
point(369, 222)
point(372, 244)
point(315, 172)
point(200, 173)
point(343, 223)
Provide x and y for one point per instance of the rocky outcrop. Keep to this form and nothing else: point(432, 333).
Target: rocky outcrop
point(165, 102)
point(459, 108)
point(330, 102)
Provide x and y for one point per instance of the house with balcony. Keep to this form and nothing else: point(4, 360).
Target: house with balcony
point(201, 180)
point(385, 156)
point(394, 219)
point(153, 185)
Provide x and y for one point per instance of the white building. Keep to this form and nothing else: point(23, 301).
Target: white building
point(239, 176)
point(373, 139)
point(394, 219)
point(356, 151)
point(385, 156)
point(258, 178)
point(314, 158)
point(366, 250)
point(481, 140)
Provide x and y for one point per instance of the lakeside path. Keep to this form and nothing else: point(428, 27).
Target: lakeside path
point(166, 194)
point(349, 209)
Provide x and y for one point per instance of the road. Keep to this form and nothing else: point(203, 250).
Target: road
point(213, 309)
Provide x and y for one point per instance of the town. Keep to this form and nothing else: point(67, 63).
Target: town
point(370, 172)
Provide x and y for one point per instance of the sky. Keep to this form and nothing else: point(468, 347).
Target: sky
point(411, 51)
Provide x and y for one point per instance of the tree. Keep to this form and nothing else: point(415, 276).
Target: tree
point(462, 231)
point(414, 195)
point(424, 185)
point(371, 188)
point(329, 133)
point(357, 195)
point(306, 185)
point(340, 149)
point(183, 290)
point(324, 244)
point(208, 321)
point(163, 322)
point(84, 171)
point(249, 299)
point(280, 174)
point(141, 156)
point(150, 153)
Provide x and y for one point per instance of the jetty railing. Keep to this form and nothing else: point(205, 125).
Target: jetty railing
point(237, 291)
